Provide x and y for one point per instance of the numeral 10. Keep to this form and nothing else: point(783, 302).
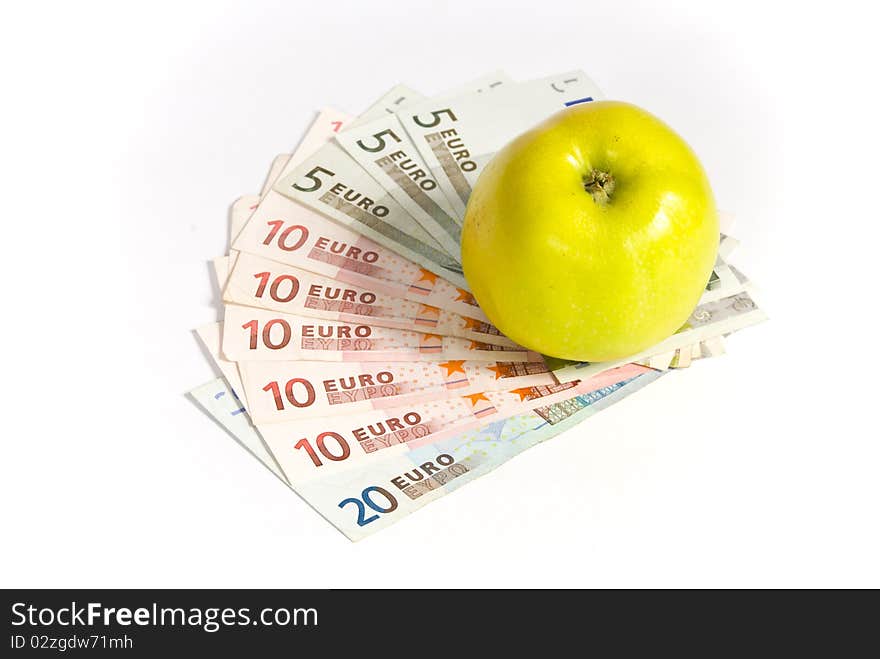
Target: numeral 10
point(290, 393)
point(275, 286)
point(253, 326)
point(321, 442)
point(285, 238)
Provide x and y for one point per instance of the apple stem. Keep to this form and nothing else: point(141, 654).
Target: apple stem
point(600, 185)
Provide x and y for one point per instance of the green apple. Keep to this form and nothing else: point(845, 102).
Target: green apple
point(592, 236)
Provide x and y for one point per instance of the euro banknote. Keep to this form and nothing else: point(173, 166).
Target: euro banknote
point(366, 499)
point(383, 149)
point(258, 282)
point(240, 212)
point(329, 122)
point(708, 320)
point(326, 124)
point(360, 204)
point(220, 266)
point(356, 364)
point(284, 231)
point(456, 137)
point(390, 102)
point(726, 246)
point(379, 148)
point(376, 493)
point(401, 96)
point(280, 391)
point(723, 283)
point(279, 162)
point(211, 338)
point(254, 334)
point(221, 403)
point(313, 448)
point(333, 184)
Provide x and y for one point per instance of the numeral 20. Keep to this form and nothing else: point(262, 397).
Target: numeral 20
point(253, 326)
point(366, 495)
point(320, 442)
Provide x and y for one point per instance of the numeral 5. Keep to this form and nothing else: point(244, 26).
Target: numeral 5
point(313, 177)
point(380, 140)
point(436, 118)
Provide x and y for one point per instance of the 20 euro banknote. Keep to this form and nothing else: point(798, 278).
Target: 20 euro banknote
point(375, 494)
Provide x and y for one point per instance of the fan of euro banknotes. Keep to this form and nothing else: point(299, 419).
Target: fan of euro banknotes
point(356, 365)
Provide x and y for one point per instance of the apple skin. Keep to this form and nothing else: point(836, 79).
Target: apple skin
point(574, 274)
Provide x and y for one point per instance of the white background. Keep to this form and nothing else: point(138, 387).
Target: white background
point(128, 128)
